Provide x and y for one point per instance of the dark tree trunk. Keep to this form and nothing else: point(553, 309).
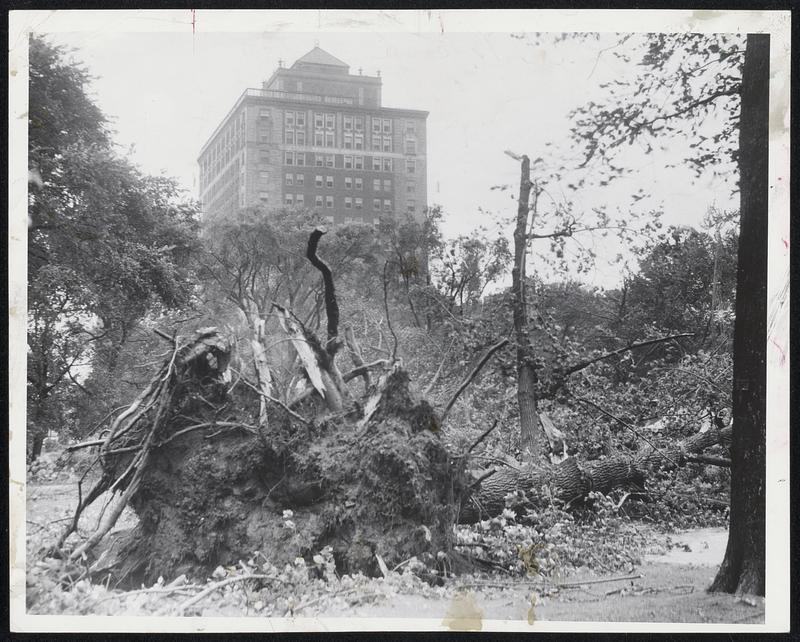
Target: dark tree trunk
point(530, 435)
point(743, 569)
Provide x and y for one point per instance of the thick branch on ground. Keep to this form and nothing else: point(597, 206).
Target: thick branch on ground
point(471, 376)
point(572, 480)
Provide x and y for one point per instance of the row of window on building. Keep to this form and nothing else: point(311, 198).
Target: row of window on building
point(350, 202)
point(291, 179)
point(324, 134)
point(350, 122)
point(375, 163)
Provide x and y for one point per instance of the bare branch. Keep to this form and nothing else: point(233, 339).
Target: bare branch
point(471, 376)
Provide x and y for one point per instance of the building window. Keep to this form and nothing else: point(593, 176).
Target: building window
point(318, 181)
point(319, 139)
point(359, 203)
point(289, 179)
point(301, 137)
point(330, 160)
point(358, 162)
point(288, 199)
point(348, 162)
point(288, 158)
point(329, 182)
point(300, 179)
point(263, 136)
point(411, 205)
point(329, 202)
point(263, 113)
point(358, 141)
point(376, 184)
point(411, 187)
point(348, 123)
point(318, 121)
point(348, 141)
point(264, 196)
point(387, 143)
point(358, 123)
point(387, 164)
point(348, 182)
point(376, 164)
point(329, 219)
point(348, 203)
point(288, 137)
point(376, 204)
point(376, 143)
point(387, 205)
point(359, 183)
point(300, 199)
point(387, 185)
point(263, 175)
point(411, 127)
point(330, 140)
point(319, 160)
point(300, 119)
point(264, 157)
point(301, 159)
point(411, 166)
point(411, 147)
point(387, 125)
point(376, 125)
point(318, 200)
point(330, 120)
point(289, 119)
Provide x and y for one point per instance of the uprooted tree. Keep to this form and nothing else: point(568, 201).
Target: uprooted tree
point(216, 467)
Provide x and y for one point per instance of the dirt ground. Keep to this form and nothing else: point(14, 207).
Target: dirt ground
point(672, 587)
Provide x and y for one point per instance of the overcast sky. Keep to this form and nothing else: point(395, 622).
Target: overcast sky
point(486, 93)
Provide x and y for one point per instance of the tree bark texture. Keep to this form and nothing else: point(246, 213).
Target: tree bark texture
point(571, 479)
point(530, 435)
point(743, 568)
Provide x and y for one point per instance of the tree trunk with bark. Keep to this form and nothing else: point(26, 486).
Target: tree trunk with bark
point(530, 436)
point(743, 568)
point(572, 480)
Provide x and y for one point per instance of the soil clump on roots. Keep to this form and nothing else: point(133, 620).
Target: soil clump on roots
point(217, 487)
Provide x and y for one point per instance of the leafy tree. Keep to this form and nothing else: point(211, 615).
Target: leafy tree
point(106, 243)
point(683, 79)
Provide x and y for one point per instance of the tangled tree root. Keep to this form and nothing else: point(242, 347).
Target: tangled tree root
point(210, 485)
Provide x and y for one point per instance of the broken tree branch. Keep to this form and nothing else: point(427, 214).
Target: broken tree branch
point(711, 461)
point(633, 346)
point(331, 305)
point(471, 376)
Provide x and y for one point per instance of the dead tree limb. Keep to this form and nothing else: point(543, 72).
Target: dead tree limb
point(471, 376)
point(331, 305)
point(633, 346)
point(571, 479)
point(355, 355)
point(711, 461)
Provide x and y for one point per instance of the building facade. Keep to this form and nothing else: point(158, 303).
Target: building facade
point(316, 136)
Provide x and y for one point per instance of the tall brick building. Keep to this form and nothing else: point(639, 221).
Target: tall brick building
point(316, 136)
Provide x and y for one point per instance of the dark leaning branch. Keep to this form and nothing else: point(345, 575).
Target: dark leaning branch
point(331, 305)
point(497, 346)
point(585, 364)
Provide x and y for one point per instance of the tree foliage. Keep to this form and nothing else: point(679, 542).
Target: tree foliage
point(106, 244)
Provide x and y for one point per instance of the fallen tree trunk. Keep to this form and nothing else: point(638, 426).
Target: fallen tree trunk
point(572, 480)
